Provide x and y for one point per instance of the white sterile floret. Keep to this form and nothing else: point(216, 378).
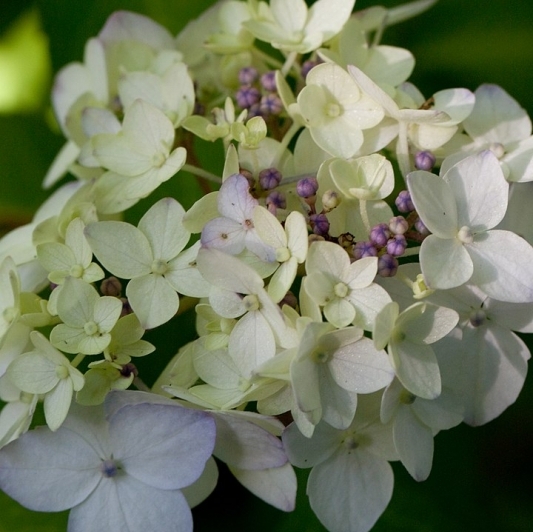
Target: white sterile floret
point(47, 371)
point(425, 128)
point(152, 256)
point(488, 362)
point(345, 290)
point(415, 421)
point(166, 87)
point(87, 318)
point(460, 209)
point(290, 244)
point(19, 407)
point(234, 230)
point(113, 473)
point(9, 296)
point(351, 482)
point(329, 371)
point(498, 123)
point(239, 291)
point(388, 66)
point(408, 335)
point(139, 157)
point(336, 111)
point(231, 36)
point(73, 258)
point(293, 27)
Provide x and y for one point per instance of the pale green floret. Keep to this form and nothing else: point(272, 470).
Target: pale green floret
point(62, 372)
point(477, 317)
point(158, 159)
point(406, 397)
point(283, 254)
point(251, 303)
point(320, 357)
point(341, 290)
point(465, 235)
point(350, 442)
point(10, 314)
point(333, 110)
point(76, 270)
point(159, 266)
point(397, 336)
point(90, 328)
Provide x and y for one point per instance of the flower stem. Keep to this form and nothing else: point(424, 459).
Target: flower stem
point(200, 172)
point(76, 361)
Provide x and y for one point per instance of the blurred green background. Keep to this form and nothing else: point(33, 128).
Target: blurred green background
point(480, 479)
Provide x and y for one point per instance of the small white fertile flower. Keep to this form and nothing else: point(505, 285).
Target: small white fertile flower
point(113, 474)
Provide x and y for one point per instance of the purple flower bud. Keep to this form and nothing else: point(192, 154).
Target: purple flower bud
point(380, 234)
point(268, 81)
point(398, 225)
point(269, 178)
point(477, 318)
point(289, 299)
point(396, 245)
point(276, 199)
point(271, 104)
point(320, 224)
point(404, 202)
point(126, 308)
point(254, 110)
point(307, 66)
point(387, 266)
point(248, 75)
point(247, 96)
point(129, 369)
point(109, 468)
point(330, 200)
point(111, 287)
point(307, 187)
point(425, 160)
point(421, 228)
point(364, 249)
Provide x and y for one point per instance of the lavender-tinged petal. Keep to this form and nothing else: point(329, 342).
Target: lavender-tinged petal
point(172, 454)
point(123, 504)
point(49, 471)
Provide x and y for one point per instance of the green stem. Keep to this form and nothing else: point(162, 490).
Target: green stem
point(200, 172)
point(409, 252)
point(267, 59)
point(402, 150)
point(77, 360)
point(295, 127)
point(364, 215)
point(288, 63)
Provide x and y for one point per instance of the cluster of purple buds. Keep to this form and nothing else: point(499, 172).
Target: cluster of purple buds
point(405, 205)
point(258, 93)
point(387, 242)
